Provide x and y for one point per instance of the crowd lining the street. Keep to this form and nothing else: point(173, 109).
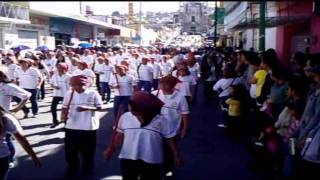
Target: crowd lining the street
point(269, 105)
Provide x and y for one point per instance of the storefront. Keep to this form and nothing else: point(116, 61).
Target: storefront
point(63, 30)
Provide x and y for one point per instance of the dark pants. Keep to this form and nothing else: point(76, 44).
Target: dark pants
point(98, 82)
point(132, 169)
point(34, 102)
point(42, 91)
point(4, 167)
point(155, 84)
point(54, 105)
point(83, 142)
point(104, 87)
point(188, 98)
point(208, 91)
point(120, 101)
point(11, 147)
point(146, 85)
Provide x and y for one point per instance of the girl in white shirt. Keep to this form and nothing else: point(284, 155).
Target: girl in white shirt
point(156, 73)
point(60, 83)
point(141, 132)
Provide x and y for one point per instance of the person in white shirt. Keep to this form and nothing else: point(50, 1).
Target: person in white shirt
point(88, 58)
point(187, 85)
point(29, 79)
point(83, 69)
point(7, 92)
point(194, 69)
point(135, 59)
point(141, 132)
point(166, 65)
point(119, 57)
point(51, 62)
point(9, 124)
point(156, 73)
point(176, 110)
point(78, 112)
point(145, 75)
point(124, 86)
point(60, 84)
point(11, 62)
point(104, 70)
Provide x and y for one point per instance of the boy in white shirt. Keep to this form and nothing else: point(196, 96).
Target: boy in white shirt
point(166, 65)
point(60, 83)
point(88, 58)
point(29, 79)
point(145, 75)
point(83, 69)
point(124, 85)
point(81, 124)
point(156, 73)
point(51, 62)
point(187, 85)
point(104, 70)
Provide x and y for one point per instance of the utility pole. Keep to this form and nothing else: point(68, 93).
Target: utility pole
point(262, 26)
point(215, 23)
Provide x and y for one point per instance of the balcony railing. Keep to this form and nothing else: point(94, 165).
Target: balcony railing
point(13, 11)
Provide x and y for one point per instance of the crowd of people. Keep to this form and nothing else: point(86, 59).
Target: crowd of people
point(269, 104)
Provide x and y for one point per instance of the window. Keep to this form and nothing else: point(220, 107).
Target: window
point(193, 19)
point(193, 28)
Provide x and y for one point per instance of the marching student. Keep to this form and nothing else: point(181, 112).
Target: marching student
point(88, 58)
point(145, 75)
point(7, 92)
point(156, 73)
point(104, 70)
point(83, 69)
point(30, 79)
point(78, 112)
point(166, 65)
point(124, 86)
point(60, 84)
point(176, 110)
point(187, 85)
point(141, 132)
point(9, 124)
point(11, 62)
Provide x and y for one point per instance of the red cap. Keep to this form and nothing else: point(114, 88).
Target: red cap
point(63, 66)
point(170, 80)
point(83, 63)
point(79, 80)
point(146, 101)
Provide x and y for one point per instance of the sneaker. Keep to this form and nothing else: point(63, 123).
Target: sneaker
point(34, 115)
point(12, 164)
point(221, 125)
point(54, 125)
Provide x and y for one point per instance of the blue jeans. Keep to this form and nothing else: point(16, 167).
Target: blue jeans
point(118, 101)
point(147, 85)
point(11, 147)
point(34, 101)
point(155, 84)
point(104, 87)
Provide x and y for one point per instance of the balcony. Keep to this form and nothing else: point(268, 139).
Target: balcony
point(14, 13)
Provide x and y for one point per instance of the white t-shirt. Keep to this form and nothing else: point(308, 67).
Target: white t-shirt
point(175, 105)
point(105, 69)
point(86, 120)
point(62, 82)
point(136, 61)
point(9, 90)
point(166, 67)
point(143, 143)
point(11, 71)
point(126, 84)
point(145, 72)
point(12, 126)
point(89, 59)
point(28, 79)
point(118, 58)
point(184, 86)
point(51, 63)
point(223, 85)
point(156, 70)
point(195, 70)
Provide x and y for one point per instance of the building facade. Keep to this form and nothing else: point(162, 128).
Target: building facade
point(193, 17)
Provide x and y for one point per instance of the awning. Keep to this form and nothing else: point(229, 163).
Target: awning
point(270, 22)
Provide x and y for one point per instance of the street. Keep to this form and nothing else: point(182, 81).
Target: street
point(207, 153)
